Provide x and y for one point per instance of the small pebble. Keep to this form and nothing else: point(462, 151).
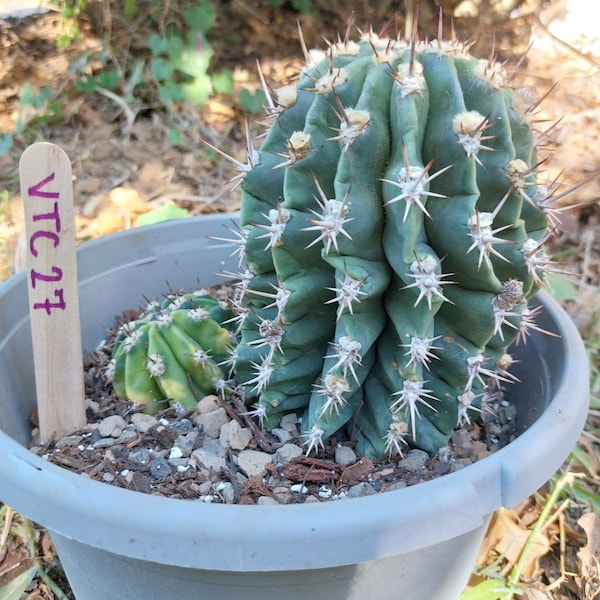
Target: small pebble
point(290, 422)
point(226, 490)
point(108, 477)
point(159, 468)
point(211, 456)
point(104, 442)
point(298, 488)
point(212, 422)
point(127, 436)
point(287, 453)
point(360, 490)
point(462, 443)
point(143, 422)
point(182, 426)
point(67, 441)
point(310, 500)
point(205, 487)
point(165, 436)
point(208, 404)
point(116, 433)
point(460, 463)
point(266, 501)
point(414, 461)
point(195, 438)
point(325, 492)
point(184, 444)
point(282, 494)
point(175, 453)
point(233, 436)
point(178, 462)
point(397, 485)
point(345, 456)
point(108, 425)
point(253, 462)
point(141, 456)
point(283, 435)
point(92, 405)
point(480, 450)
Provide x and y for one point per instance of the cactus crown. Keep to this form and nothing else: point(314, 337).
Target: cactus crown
point(392, 231)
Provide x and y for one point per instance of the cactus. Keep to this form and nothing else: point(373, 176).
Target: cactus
point(391, 233)
point(171, 355)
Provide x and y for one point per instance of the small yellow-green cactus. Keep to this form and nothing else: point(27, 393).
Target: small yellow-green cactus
point(172, 354)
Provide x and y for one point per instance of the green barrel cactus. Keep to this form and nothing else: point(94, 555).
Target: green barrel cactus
point(172, 354)
point(392, 230)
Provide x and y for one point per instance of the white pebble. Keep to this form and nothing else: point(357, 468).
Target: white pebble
point(325, 492)
point(175, 452)
point(298, 487)
point(124, 472)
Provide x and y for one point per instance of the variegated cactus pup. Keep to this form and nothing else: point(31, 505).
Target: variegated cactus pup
point(173, 353)
point(392, 230)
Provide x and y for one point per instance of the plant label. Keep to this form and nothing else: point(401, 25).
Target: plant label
point(47, 191)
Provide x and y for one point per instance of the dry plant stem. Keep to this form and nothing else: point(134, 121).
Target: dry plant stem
point(30, 533)
point(7, 513)
point(540, 524)
point(130, 114)
point(563, 546)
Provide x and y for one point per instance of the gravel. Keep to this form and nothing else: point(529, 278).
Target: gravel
point(217, 453)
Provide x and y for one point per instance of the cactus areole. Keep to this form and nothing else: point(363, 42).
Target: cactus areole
point(391, 232)
point(392, 227)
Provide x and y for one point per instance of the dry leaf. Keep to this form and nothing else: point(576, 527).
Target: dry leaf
point(589, 557)
point(107, 222)
point(505, 537)
point(41, 592)
point(358, 471)
point(127, 199)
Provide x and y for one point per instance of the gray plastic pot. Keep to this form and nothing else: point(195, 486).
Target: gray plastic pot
point(418, 543)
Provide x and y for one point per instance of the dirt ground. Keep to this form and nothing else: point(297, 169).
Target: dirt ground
point(125, 165)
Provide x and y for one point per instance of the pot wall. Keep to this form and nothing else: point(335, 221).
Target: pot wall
point(96, 526)
point(438, 572)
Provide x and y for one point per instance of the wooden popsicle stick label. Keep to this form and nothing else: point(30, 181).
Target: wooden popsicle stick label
point(47, 192)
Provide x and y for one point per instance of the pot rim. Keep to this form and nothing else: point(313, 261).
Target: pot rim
point(300, 536)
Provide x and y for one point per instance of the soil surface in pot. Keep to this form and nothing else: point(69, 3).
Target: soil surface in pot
point(219, 453)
